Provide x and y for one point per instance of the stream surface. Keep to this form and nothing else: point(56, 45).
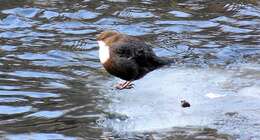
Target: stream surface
point(52, 85)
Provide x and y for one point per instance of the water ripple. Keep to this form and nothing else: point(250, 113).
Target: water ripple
point(12, 21)
point(39, 136)
point(200, 24)
point(29, 94)
point(46, 114)
point(81, 14)
point(24, 12)
point(231, 29)
point(180, 14)
point(34, 74)
point(9, 110)
point(135, 13)
point(49, 14)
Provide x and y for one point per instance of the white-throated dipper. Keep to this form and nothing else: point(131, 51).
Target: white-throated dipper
point(127, 57)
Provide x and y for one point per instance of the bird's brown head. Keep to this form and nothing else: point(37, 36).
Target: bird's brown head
point(109, 37)
point(106, 34)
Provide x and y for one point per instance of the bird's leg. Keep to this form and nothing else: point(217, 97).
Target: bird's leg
point(128, 85)
point(125, 85)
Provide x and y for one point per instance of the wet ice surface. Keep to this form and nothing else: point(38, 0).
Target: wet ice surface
point(222, 99)
point(52, 85)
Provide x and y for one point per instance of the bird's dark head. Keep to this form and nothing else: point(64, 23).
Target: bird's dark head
point(107, 34)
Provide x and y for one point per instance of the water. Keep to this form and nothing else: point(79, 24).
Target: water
point(52, 85)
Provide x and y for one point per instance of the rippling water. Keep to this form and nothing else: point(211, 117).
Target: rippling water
point(52, 85)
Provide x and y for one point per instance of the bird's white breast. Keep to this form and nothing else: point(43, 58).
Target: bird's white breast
point(103, 52)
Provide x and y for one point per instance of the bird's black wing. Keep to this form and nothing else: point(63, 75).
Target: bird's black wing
point(138, 51)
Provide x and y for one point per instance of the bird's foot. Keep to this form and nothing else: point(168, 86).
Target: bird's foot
point(125, 85)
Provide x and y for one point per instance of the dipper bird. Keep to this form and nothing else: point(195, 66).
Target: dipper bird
point(127, 57)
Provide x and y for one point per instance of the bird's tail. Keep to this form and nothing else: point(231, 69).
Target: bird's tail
point(167, 60)
point(162, 61)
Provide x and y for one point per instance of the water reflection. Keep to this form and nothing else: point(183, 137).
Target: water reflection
point(9, 110)
point(52, 85)
point(39, 136)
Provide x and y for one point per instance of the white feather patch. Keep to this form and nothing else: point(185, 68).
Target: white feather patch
point(103, 52)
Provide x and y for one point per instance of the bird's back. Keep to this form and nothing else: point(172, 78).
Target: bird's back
point(135, 52)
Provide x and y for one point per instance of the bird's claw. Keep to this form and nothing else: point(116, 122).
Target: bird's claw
point(125, 85)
